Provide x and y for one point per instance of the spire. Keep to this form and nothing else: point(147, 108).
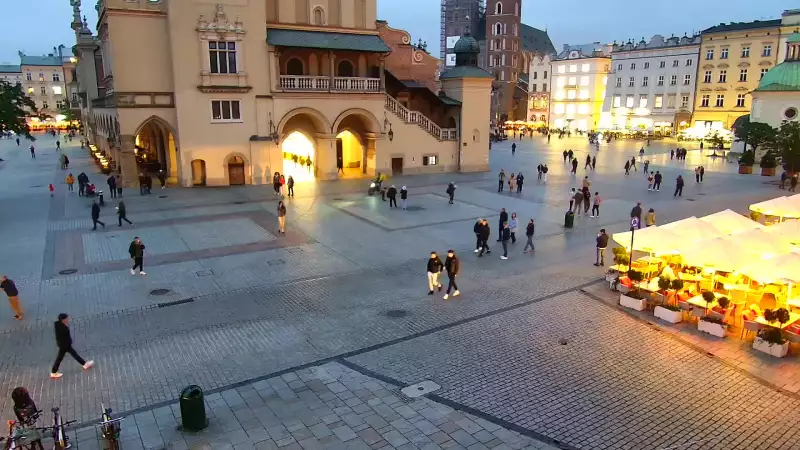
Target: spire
point(77, 24)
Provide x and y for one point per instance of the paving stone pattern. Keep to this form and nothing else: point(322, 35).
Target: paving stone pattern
point(616, 384)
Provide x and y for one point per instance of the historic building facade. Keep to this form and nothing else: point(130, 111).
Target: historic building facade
point(200, 91)
point(539, 90)
point(777, 97)
point(579, 79)
point(503, 52)
point(652, 85)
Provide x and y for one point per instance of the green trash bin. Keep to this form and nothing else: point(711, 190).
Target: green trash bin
point(569, 219)
point(193, 409)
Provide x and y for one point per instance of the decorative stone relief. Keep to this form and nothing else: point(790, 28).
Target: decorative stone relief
point(219, 23)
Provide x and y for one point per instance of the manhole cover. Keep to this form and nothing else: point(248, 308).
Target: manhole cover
point(276, 262)
point(420, 389)
point(415, 208)
point(36, 185)
point(395, 313)
point(67, 271)
point(162, 196)
point(238, 203)
point(338, 199)
point(159, 292)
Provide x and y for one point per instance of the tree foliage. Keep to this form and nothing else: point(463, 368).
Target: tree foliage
point(755, 134)
point(788, 143)
point(67, 112)
point(15, 107)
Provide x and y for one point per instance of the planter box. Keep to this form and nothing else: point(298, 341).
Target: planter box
point(745, 169)
point(776, 350)
point(711, 328)
point(668, 315)
point(767, 171)
point(632, 303)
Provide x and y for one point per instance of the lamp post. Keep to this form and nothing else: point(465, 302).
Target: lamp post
point(634, 225)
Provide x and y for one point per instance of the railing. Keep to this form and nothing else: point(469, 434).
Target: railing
point(340, 84)
point(415, 117)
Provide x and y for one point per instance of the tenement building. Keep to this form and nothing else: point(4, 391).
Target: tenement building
point(201, 91)
point(579, 79)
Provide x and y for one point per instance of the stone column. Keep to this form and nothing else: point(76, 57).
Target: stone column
point(127, 161)
point(325, 155)
point(275, 71)
point(383, 76)
point(370, 154)
point(332, 67)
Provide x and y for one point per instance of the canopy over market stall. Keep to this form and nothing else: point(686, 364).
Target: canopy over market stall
point(762, 243)
point(789, 230)
point(717, 254)
point(651, 240)
point(783, 268)
point(693, 229)
point(730, 222)
point(782, 207)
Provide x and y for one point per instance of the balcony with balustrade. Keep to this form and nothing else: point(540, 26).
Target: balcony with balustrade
point(332, 72)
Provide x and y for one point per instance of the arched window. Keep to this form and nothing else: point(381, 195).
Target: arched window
point(498, 8)
point(498, 29)
point(515, 30)
point(345, 69)
point(294, 67)
point(516, 9)
point(319, 16)
point(543, 118)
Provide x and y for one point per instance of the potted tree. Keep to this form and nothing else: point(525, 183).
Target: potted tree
point(633, 299)
point(710, 325)
point(667, 310)
point(788, 144)
point(746, 162)
point(768, 164)
point(754, 134)
point(621, 258)
point(770, 340)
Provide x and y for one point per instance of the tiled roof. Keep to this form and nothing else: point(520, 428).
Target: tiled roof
point(465, 72)
point(412, 84)
point(40, 60)
point(326, 40)
point(739, 26)
point(537, 41)
point(9, 68)
point(449, 101)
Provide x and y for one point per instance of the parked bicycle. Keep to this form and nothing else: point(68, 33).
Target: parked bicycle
point(110, 429)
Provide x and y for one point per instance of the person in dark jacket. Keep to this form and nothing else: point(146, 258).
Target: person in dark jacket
point(13, 296)
point(529, 234)
point(96, 215)
point(657, 181)
point(483, 236)
point(702, 173)
point(276, 183)
point(136, 250)
point(451, 191)
point(503, 219)
point(392, 194)
point(112, 185)
point(602, 243)
point(452, 265)
point(142, 184)
point(575, 165)
point(637, 212)
point(434, 268)
point(83, 180)
point(506, 236)
point(678, 186)
point(64, 343)
point(162, 179)
point(404, 197)
point(520, 180)
point(290, 186)
point(477, 230)
point(122, 213)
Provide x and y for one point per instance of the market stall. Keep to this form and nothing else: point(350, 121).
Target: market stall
point(730, 222)
point(781, 208)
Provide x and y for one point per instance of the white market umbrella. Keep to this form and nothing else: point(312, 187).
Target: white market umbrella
point(693, 229)
point(650, 240)
point(718, 254)
point(730, 222)
point(780, 207)
point(788, 229)
point(761, 243)
point(784, 268)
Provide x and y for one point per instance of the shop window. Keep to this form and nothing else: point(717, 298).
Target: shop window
point(430, 160)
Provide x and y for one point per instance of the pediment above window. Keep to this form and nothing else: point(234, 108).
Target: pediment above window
point(723, 66)
point(742, 89)
point(720, 89)
point(744, 64)
point(220, 24)
point(708, 66)
point(765, 63)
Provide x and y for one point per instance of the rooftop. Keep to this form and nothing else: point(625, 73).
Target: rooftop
point(536, 41)
point(740, 26)
point(465, 72)
point(326, 40)
point(10, 68)
point(785, 77)
point(48, 60)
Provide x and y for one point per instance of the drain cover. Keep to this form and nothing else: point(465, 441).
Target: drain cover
point(395, 313)
point(159, 292)
point(162, 196)
point(276, 262)
point(420, 389)
point(238, 203)
point(415, 208)
point(67, 271)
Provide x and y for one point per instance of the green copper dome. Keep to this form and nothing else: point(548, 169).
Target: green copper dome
point(783, 77)
point(467, 44)
point(794, 38)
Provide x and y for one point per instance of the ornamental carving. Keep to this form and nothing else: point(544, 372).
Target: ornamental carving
point(220, 23)
point(418, 56)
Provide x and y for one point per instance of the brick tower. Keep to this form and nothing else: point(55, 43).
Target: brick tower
point(504, 53)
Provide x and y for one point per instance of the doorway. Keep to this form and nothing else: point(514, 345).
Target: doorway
point(339, 153)
point(198, 172)
point(236, 171)
point(397, 166)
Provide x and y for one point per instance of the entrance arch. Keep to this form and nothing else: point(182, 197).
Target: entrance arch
point(299, 130)
point(156, 148)
point(353, 130)
point(236, 170)
point(198, 172)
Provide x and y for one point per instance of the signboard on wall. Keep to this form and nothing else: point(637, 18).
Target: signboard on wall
point(450, 60)
point(451, 41)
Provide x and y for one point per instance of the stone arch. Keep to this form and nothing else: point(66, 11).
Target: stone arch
point(230, 178)
point(345, 68)
point(319, 123)
point(371, 124)
point(295, 66)
point(159, 137)
point(355, 130)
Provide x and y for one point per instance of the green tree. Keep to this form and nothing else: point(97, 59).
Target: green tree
point(15, 107)
point(788, 143)
point(755, 134)
point(716, 141)
point(69, 114)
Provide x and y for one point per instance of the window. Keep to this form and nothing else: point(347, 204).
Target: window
point(684, 101)
point(59, 104)
point(617, 101)
point(720, 101)
point(619, 67)
point(790, 113)
point(545, 75)
point(642, 101)
point(687, 79)
point(723, 54)
point(740, 101)
point(41, 77)
point(662, 64)
point(707, 77)
point(661, 80)
point(585, 67)
point(514, 28)
point(659, 101)
point(689, 63)
point(429, 160)
point(704, 100)
point(633, 66)
point(584, 94)
point(710, 54)
point(631, 82)
point(533, 87)
point(498, 8)
point(559, 109)
point(573, 68)
point(29, 76)
point(75, 98)
point(222, 57)
point(319, 16)
point(570, 109)
point(561, 81)
point(43, 90)
point(516, 9)
point(670, 101)
point(45, 105)
point(573, 81)
point(644, 81)
point(225, 111)
point(571, 94)
point(619, 82)
point(535, 75)
point(673, 80)
point(745, 52)
point(345, 69)
point(583, 108)
point(675, 63)
point(629, 101)
point(743, 75)
point(56, 77)
point(57, 90)
point(498, 29)
point(763, 72)
point(723, 76)
point(584, 81)
point(30, 91)
point(767, 51)
point(647, 65)
point(544, 87)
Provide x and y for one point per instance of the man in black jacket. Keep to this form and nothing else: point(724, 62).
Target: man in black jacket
point(434, 268)
point(136, 250)
point(13, 296)
point(477, 230)
point(637, 213)
point(602, 243)
point(392, 194)
point(96, 215)
point(657, 181)
point(520, 180)
point(503, 219)
point(64, 342)
point(483, 236)
point(452, 265)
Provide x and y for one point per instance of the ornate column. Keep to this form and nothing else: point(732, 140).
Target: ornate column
point(332, 67)
point(382, 75)
point(370, 154)
point(127, 161)
point(275, 71)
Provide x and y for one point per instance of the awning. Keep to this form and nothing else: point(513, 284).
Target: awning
point(729, 222)
point(326, 40)
point(692, 229)
point(781, 207)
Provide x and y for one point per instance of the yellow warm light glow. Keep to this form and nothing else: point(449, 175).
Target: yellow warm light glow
point(73, 59)
point(298, 144)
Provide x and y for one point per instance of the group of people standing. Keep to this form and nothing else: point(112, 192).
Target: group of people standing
point(514, 182)
point(508, 232)
point(279, 181)
point(680, 153)
point(582, 199)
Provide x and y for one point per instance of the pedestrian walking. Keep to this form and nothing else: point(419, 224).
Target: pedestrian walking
point(565, 153)
point(118, 183)
point(452, 265)
point(633, 164)
point(678, 186)
point(512, 184)
point(282, 181)
point(33, 152)
point(477, 230)
point(571, 154)
point(64, 343)
point(501, 180)
point(512, 225)
point(70, 180)
point(672, 154)
point(650, 218)
point(650, 180)
point(637, 213)
point(529, 235)
point(539, 171)
point(61, 162)
point(290, 186)
point(58, 146)
point(111, 181)
point(646, 165)
point(17, 142)
point(339, 166)
point(503, 219)
point(96, 215)
point(162, 179)
point(627, 167)
point(434, 268)
point(483, 235)
point(783, 181)
point(793, 183)
point(520, 180)
point(392, 194)
point(281, 210)
point(601, 244)
point(52, 189)
point(697, 174)
point(587, 197)
point(66, 162)
point(545, 169)
point(575, 165)
point(276, 183)
point(506, 236)
point(513, 149)
point(136, 250)
point(451, 190)
point(702, 173)
point(588, 164)
point(122, 213)
point(12, 293)
point(657, 181)
point(578, 200)
point(596, 206)
point(404, 197)
point(594, 162)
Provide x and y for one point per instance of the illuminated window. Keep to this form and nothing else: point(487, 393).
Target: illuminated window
point(561, 81)
point(584, 81)
point(573, 81)
point(629, 101)
point(585, 67)
point(671, 101)
point(560, 95)
point(583, 108)
point(222, 57)
point(570, 109)
point(605, 80)
point(57, 90)
point(225, 111)
point(30, 91)
point(704, 100)
point(41, 77)
point(584, 94)
point(559, 108)
point(573, 68)
point(562, 69)
point(740, 100)
point(642, 101)
point(617, 101)
point(659, 101)
point(430, 160)
point(571, 94)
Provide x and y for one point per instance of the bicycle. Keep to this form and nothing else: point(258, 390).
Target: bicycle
point(60, 439)
point(110, 429)
point(22, 437)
